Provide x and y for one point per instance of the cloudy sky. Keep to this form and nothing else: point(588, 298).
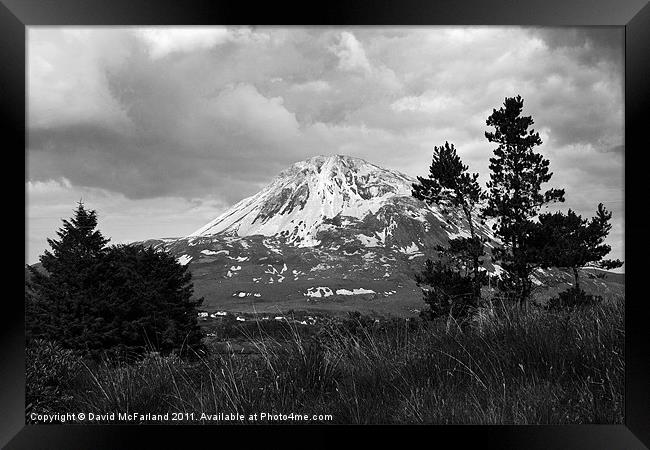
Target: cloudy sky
point(161, 129)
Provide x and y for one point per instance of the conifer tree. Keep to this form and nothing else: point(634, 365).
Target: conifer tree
point(571, 242)
point(514, 191)
point(145, 301)
point(450, 185)
point(95, 298)
point(58, 298)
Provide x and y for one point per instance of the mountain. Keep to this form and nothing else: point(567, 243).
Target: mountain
point(342, 199)
point(332, 233)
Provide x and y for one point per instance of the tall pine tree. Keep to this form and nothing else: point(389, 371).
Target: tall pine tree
point(450, 185)
point(514, 191)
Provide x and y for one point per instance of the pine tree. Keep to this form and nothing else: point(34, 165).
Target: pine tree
point(453, 282)
point(58, 298)
point(514, 190)
point(451, 186)
point(571, 242)
point(95, 298)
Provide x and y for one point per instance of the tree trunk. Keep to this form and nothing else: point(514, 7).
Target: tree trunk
point(526, 291)
point(575, 275)
point(475, 261)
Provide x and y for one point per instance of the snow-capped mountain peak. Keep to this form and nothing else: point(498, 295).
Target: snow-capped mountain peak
point(298, 201)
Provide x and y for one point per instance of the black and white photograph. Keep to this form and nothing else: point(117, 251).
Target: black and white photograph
point(262, 225)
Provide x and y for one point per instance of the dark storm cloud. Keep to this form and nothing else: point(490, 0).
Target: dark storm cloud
point(576, 109)
point(146, 168)
point(591, 45)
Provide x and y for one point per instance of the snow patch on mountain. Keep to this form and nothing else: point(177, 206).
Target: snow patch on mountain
point(319, 292)
point(185, 259)
point(358, 291)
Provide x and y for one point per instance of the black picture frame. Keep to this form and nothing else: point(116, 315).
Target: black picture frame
point(633, 15)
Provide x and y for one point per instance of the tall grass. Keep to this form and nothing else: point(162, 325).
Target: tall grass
point(508, 367)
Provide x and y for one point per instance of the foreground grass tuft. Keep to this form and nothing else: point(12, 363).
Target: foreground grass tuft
point(508, 367)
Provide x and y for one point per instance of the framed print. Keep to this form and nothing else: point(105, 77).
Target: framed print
point(371, 214)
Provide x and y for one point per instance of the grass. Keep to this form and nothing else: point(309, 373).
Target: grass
point(507, 367)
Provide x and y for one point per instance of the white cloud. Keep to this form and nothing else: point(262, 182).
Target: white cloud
point(48, 187)
point(351, 53)
point(163, 41)
point(429, 102)
point(67, 79)
point(244, 110)
point(312, 86)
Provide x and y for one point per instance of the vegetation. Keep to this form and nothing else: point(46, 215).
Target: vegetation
point(453, 287)
point(513, 198)
point(114, 329)
point(514, 192)
point(508, 367)
point(95, 298)
point(569, 241)
point(50, 371)
point(58, 299)
point(448, 292)
point(574, 297)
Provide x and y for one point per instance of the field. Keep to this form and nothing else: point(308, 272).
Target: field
point(507, 367)
point(394, 297)
point(404, 302)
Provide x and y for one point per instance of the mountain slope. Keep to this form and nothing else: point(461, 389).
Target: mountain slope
point(330, 233)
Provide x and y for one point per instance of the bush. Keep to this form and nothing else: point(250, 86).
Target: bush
point(356, 323)
point(146, 302)
point(574, 297)
point(449, 293)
